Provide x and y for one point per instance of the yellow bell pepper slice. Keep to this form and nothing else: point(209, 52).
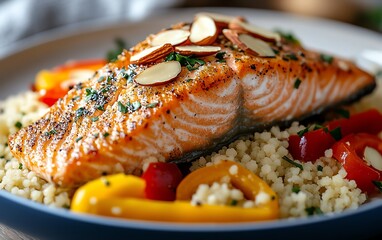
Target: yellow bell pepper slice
point(178, 211)
point(123, 197)
point(113, 186)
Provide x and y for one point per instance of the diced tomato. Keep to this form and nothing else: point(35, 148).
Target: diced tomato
point(349, 152)
point(162, 179)
point(311, 145)
point(365, 122)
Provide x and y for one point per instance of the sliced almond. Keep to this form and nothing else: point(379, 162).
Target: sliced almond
point(221, 20)
point(258, 32)
point(173, 37)
point(373, 158)
point(152, 54)
point(159, 73)
point(197, 50)
point(203, 31)
point(249, 44)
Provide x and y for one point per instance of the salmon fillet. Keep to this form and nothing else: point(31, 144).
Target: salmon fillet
point(111, 124)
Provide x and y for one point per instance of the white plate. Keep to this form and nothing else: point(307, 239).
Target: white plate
point(17, 70)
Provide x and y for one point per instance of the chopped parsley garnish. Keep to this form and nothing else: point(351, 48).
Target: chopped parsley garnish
point(378, 184)
point(75, 98)
point(326, 58)
point(20, 166)
point(106, 134)
point(320, 168)
point(188, 61)
point(122, 108)
point(313, 211)
point(100, 107)
point(343, 112)
point(78, 139)
point(135, 106)
point(112, 55)
point(94, 119)
point(293, 162)
point(189, 79)
point(80, 112)
point(288, 36)
point(290, 56)
point(220, 56)
point(336, 133)
point(296, 189)
point(91, 94)
point(51, 132)
point(233, 202)
point(318, 126)
point(18, 125)
point(106, 182)
point(303, 131)
point(297, 83)
point(129, 107)
point(128, 74)
point(152, 105)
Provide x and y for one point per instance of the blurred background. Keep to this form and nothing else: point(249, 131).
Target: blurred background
point(20, 19)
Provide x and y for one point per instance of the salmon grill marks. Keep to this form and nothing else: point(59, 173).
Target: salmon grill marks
point(111, 124)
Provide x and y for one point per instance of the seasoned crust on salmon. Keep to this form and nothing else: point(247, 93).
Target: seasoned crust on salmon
point(111, 124)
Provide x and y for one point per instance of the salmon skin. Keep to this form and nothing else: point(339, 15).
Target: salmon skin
point(110, 124)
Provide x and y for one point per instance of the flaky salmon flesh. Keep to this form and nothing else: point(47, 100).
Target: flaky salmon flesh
point(110, 123)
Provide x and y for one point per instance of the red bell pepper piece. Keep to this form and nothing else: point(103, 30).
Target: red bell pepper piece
point(162, 179)
point(349, 152)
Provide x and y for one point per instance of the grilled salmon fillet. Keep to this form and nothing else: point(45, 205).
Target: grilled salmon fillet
point(111, 124)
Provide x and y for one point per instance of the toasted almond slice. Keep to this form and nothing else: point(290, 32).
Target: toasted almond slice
point(159, 73)
point(249, 44)
point(221, 20)
point(197, 50)
point(203, 31)
point(152, 54)
point(173, 37)
point(373, 158)
point(258, 32)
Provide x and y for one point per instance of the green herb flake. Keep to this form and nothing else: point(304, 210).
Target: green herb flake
point(106, 134)
point(296, 189)
point(378, 184)
point(20, 166)
point(18, 125)
point(220, 57)
point(152, 105)
point(106, 182)
point(94, 119)
point(343, 112)
point(91, 95)
point(75, 98)
point(79, 139)
point(293, 162)
point(51, 132)
point(189, 79)
point(318, 126)
point(336, 133)
point(297, 83)
point(313, 211)
point(190, 62)
point(303, 131)
point(80, 112)
point(135, 106)
point(288, 36)
point(290, 56)
point(326, 58)
point(100, 107)
point(320, 168)
point(122, 108)
point(233, 202)
point(112, 55)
